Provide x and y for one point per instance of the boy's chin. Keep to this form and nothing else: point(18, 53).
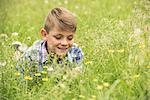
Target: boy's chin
point(61, 54)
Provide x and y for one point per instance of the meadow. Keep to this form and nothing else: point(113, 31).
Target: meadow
point(113, 34)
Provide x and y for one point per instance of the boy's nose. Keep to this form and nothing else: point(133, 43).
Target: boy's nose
point(64, 42)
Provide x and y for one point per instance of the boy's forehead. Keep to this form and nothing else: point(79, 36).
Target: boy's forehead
point(58, 31)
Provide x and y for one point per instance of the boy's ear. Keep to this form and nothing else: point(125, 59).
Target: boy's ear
point(43, 34)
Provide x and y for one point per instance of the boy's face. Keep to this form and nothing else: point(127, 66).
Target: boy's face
point(59, 42)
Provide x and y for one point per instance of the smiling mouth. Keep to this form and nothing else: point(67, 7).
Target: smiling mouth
point(62, 49)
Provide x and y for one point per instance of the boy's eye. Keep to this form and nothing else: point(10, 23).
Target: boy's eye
point(70, 37)
point(58, 37)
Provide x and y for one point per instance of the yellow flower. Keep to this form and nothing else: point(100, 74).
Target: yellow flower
point(88, 62)
point(136, 76)
point(120, 51)
point(99, 87)
point(17, 74)
point(28, 78)
point(95, 80)
point(111, 51)
point(141, 45)
point(81, 96)
point(106, 85)
point(93, 96)
point(37, 74)
point(45, 67)
point(44, 72)
point(147, 66)
point(44, 79)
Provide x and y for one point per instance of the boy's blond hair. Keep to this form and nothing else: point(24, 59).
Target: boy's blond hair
point(61, 19)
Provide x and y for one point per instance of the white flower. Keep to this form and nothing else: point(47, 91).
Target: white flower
point(16, 44)
point(65, 1)
point(23, 48)
point(46, 1)
point(14, 34)
point(16, 56)
point(50, 69)
point(28, 38)
point(137, 31)
point(3, 36)
point(2, 63)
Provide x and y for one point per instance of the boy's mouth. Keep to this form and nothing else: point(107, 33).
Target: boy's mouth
point(62, 49)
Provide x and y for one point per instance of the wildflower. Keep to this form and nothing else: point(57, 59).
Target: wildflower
point(17, 74)
point(136, 76)
point(28, 78)
point(147, 66)
point(44, 72)
point(16, 56)
point(65, 1)
point(45, 67)
point(16, 44)
point(142, 45)
point(106, 85)
point(120, 51)
point(23, 48)
point(137, 31)
point(81, 96)
point(99, 87)
point(3, 36)
point(111, 51)
point(120, 23)
point(50, 69)
point(46, 1)
point(44, 79)
point(93, 96)
point(14, 34)
point(37, 74)
point(88, 62)
point(62, 85)
point(95, 80)
point(28, 38)
point(2, 63)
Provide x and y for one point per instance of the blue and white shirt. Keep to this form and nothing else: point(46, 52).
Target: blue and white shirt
point(37, 55)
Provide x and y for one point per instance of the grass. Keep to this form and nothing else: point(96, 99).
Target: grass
point(115, 38)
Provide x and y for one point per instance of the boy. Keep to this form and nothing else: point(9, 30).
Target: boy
point(57, 43)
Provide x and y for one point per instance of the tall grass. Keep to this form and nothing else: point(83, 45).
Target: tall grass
point(115, 38)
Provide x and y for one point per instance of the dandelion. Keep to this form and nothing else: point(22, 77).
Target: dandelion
point(81, 96)
point(44, 79)
point(136, 76)
point(50, 69)
point(137, 31)
point(120, 23)
point(14, 34)
point(28, 38)
point(111, 51)
point(17, 74)
point(77, 7)
point(100, 87)
point(62, 85)
point(93, 96)
point(88, 62)
point(37, 74)
point(44, 72)
point(46, 1)
point(65, 1)
point(120, 51)
point(16, 44)
point(106, 85)
point(95, 80)
point(23, 48)
point(147, 67)
point(45, 67)
point(3, 36)
point(16, 56)
point(2, 63)
point(28, 78)
point(142, 45)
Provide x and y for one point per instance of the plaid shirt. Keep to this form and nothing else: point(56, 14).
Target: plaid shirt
point(37, 54)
